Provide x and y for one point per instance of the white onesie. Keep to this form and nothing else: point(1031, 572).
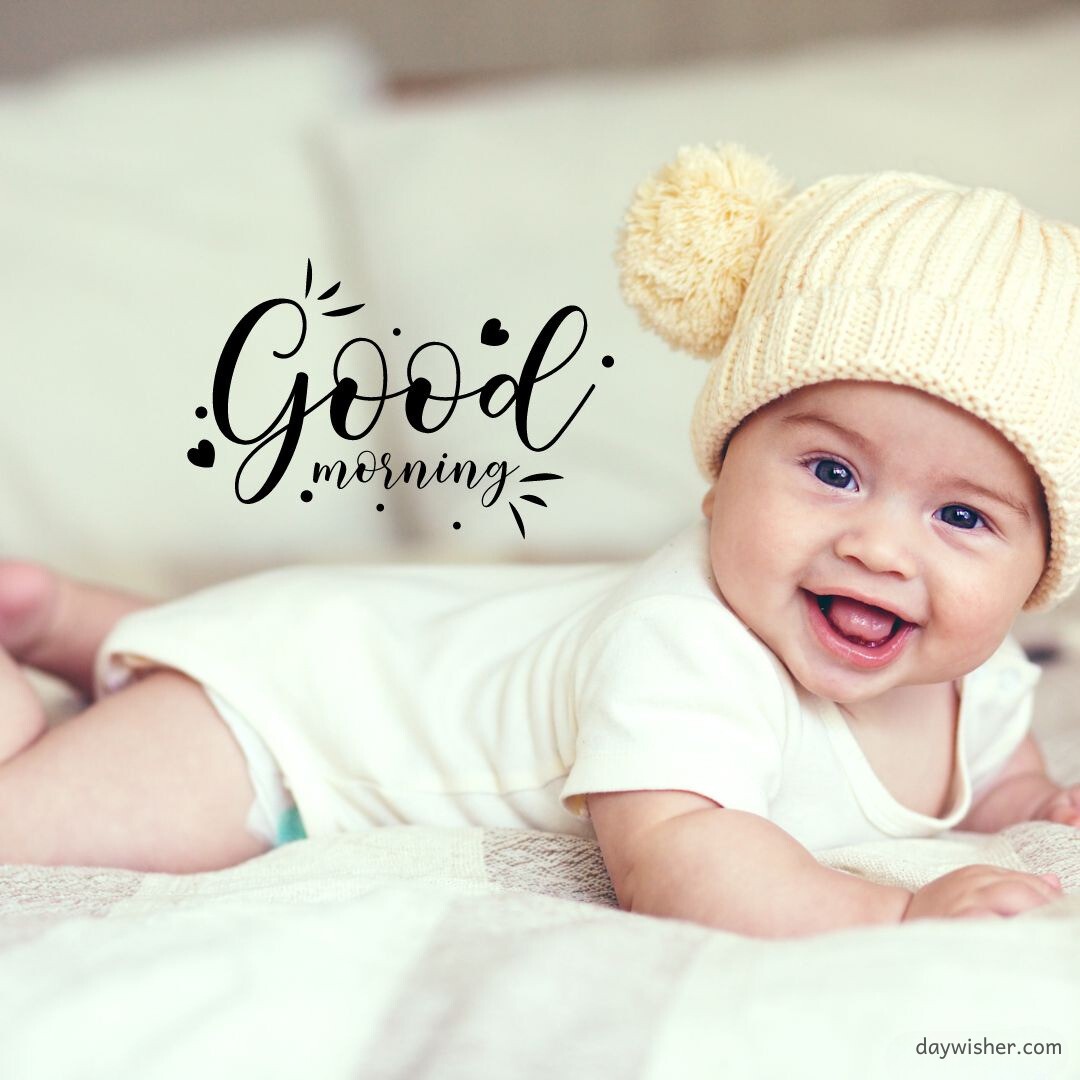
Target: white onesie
point(498, 696)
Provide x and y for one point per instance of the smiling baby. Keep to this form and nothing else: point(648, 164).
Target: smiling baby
point(888, 428)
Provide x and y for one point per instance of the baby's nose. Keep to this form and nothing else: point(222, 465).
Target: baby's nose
point(882, 545)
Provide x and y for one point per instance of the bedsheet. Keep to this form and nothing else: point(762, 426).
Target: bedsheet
point(422, 952)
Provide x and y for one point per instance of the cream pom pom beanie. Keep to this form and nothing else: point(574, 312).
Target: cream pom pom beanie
point(897, 277)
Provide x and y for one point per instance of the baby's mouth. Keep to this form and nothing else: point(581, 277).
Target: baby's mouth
point(860, 623)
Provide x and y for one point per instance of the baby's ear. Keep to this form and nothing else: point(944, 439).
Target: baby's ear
point(707, 500)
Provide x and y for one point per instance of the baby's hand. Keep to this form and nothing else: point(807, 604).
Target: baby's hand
point(1062, 806)
point(982, 892)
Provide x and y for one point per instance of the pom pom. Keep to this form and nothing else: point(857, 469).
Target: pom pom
point(691, 239)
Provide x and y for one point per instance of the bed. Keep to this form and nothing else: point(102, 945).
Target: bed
point(145, 205)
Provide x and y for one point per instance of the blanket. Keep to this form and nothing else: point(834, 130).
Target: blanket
point(422, 952)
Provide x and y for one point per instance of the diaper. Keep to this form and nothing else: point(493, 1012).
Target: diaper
point(273, 816)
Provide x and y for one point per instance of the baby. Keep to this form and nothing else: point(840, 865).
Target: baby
point(889, 426)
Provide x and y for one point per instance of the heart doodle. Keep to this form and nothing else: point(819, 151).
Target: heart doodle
point(202, 455)
point(493, 333)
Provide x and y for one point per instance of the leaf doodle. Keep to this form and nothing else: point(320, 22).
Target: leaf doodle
point(534, 499)
point(517, 518)
point(326, 294)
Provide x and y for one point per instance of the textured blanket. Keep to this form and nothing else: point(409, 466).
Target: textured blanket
point(417, 952)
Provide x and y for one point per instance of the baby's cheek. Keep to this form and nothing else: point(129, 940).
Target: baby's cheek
point(742, 568)
point(972, 624)
point(754, 535)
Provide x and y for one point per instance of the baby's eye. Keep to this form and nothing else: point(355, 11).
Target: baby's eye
point(831, 472)
point(963, 517)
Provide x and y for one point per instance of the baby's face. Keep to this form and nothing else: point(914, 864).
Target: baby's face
point(883, 513)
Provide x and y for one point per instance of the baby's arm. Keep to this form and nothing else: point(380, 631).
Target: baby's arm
point(680, 855)
point(1021, 792)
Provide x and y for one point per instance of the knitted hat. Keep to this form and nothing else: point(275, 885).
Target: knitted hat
point(897, 277)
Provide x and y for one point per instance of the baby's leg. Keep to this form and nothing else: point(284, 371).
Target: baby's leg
point(55, 623)
point(148, 778)
point(22, 717)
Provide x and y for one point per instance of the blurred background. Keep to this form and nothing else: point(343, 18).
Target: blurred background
point(420, 44)
point(164, 168)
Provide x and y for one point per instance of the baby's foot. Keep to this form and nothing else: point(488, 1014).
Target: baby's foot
point(29, 602)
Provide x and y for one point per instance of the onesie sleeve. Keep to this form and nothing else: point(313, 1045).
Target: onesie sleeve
point(674, 693)
point(1000, 716)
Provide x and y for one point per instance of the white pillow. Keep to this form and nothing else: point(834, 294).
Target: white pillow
point(145, 205)
point(507, 205)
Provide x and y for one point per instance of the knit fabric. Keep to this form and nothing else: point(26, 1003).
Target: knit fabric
point(959, 292)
